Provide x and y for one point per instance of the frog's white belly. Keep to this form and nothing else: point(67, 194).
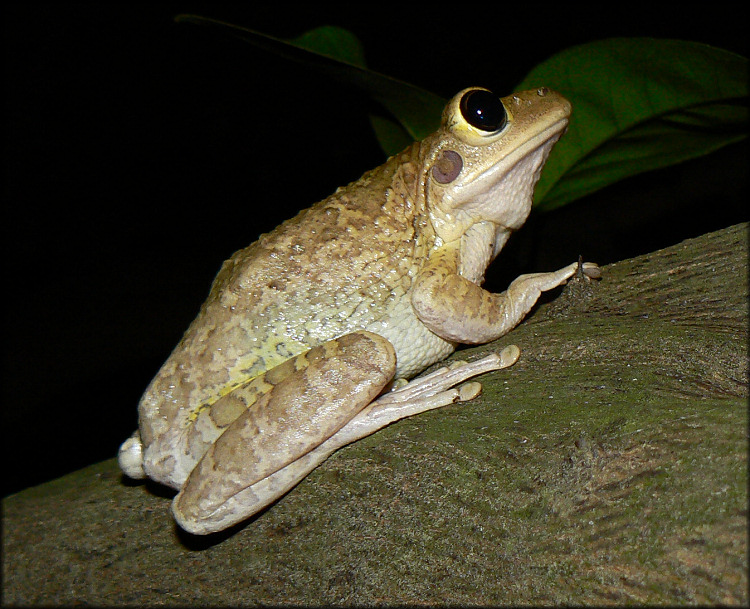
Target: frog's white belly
point(416, 346)
point(383, 308)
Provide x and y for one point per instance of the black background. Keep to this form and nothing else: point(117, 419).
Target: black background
point(140, 153)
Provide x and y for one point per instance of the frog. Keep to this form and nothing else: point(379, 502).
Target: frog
point(308, 335)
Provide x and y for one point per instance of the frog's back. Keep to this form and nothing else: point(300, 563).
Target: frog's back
point(344, 264)
point(336, 267)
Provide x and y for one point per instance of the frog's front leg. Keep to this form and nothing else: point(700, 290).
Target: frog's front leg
point(456, 309)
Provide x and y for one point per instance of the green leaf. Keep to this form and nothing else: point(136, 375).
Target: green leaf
point(337, 53)
point(334, 42)
point(638, 105)
point(391, 135)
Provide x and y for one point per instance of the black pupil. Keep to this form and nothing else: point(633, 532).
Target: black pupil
point(483, 110)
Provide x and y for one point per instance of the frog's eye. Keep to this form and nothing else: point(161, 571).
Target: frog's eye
point(447, 167)
point(483, 110)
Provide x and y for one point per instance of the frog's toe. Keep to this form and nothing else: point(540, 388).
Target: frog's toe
point(591, 270)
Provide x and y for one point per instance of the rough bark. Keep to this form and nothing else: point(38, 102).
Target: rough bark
point(608, 465)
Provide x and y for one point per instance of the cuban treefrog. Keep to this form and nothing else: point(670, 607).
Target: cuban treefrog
point(306, 327)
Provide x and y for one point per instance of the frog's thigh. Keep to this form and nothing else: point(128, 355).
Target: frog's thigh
point(330, 385)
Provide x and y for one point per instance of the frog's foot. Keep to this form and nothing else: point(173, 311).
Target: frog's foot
point(431, 391)
point(524, 291)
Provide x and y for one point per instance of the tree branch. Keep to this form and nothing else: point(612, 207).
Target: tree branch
point(608, 465)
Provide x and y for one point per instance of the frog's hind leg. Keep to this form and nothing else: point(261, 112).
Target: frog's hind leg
point(431, 391)
point(288, 412)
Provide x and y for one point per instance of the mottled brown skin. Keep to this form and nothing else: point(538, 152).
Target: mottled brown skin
point(305, 327)
point(317, 276)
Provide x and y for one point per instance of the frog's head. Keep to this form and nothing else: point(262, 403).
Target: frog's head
point(484, 161)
